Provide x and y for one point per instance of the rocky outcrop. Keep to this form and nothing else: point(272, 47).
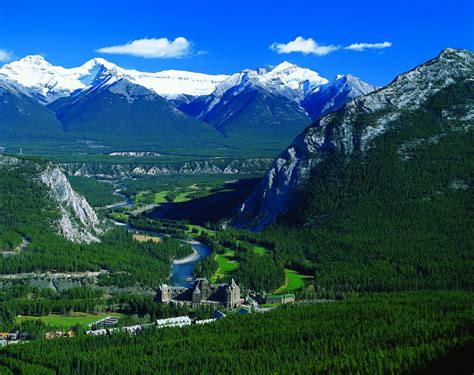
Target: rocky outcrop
point(349, 129)
point(78, 221)
point(211, 166)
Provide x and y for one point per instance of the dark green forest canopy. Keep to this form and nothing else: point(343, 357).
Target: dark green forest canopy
point(375, 334)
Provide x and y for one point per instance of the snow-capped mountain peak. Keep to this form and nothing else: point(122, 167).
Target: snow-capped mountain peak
point(286, 80)
point(352, 83)
point(97, 61)
point(333, 95)
point(296, 78)
point(37, 78)
point(285, 65)
point(32, 60)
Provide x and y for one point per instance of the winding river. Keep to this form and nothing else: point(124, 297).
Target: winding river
point(181, 269)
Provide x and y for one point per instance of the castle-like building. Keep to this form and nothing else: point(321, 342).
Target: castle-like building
point(201, 292)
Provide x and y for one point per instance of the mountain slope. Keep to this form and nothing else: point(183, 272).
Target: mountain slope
point(121, 113)
point(23, 119)
point(286, 85)
point(257, 113)
point(440, 89)
point(272, 105)
point(334, 95)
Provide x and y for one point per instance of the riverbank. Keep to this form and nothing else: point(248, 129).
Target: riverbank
point(188, 259)
point(182, 270)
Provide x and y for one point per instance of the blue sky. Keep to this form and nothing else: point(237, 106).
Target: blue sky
point(228, 36)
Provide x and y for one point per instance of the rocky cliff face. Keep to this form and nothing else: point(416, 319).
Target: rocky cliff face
point(61, 207)
point(350, 129)
point(78, 221)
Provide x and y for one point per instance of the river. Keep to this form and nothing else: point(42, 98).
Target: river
point(181, 269)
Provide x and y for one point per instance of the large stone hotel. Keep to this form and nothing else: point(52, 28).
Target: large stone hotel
point(201, 292)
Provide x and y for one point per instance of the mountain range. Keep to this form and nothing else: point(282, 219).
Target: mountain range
point(108, 106)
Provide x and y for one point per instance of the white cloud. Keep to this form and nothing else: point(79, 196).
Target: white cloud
point(310, 46)
point(5, 55)
point(305, 46)
point(359, 47)
point(161, 48)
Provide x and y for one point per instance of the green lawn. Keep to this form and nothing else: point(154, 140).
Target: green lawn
point(68, 321)
point(226, 264)
point(293, 281)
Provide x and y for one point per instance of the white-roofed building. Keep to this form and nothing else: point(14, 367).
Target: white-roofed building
point(179, 321)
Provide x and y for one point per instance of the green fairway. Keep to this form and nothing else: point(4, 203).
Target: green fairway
point(68, 321)
point(182, 197)
point(119, 216)
point(293, 281)
point(226, 264)
point(200, 229)
point(141, 196)
point(260, 250)
point(160, 197)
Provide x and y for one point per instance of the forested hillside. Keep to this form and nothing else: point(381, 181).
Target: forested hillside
point(373, 335)
point(393, 213)
point(30, 215)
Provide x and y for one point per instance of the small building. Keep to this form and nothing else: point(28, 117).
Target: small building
point(98, 332)
point(204, 321)
point(105, 322)
point(245, 310)
point(218, 314)
point(179, 321)
point(281, 299)
point(24, 336)
point(133, 330)
point(69, 334)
